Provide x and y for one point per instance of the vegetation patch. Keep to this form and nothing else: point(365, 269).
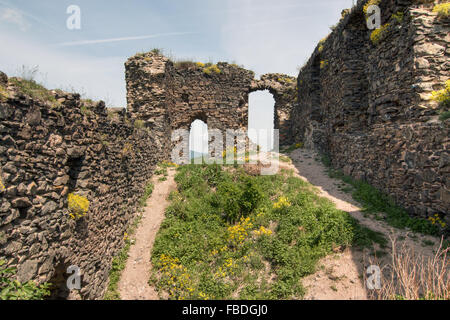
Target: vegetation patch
point(78, 206)
point(370, 3)
point(147, 193)
point(34, 90)
point(294, 147)
point(443, 98)
point(323, 64)
point(228, 235)
point(139, 124)
point(443, 10)
point(379, 34)
point(3, 94)
point(374, 202)
point(11, 289)
point(119, 262)
point(212, 68)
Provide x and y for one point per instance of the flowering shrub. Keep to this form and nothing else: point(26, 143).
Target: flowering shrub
point(436, 220)
point(263, 231)
point(2, 186)
point(443, 10)
point(370, 3)
point(78, 206)
point(239, 232)
point(212, 69)
point(283, 202)
point(221, 256)
point(321, 42)
point(442, 96)
point(323, 64)
point(3, 94)
point(378, 35)
point(177, 279)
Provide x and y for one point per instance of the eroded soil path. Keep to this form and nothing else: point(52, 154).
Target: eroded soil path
point(133, 283)
point(340, 276)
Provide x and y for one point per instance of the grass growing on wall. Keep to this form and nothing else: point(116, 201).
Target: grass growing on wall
point(35, 90)
point(231, 235)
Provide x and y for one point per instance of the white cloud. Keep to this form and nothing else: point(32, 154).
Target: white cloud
point(14, 16)
point(96, 77)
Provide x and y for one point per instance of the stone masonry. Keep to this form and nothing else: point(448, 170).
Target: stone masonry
point(367, 106)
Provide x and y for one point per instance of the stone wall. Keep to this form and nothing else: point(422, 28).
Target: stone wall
point(367, 105)
point(48, 150)
point(169, 95)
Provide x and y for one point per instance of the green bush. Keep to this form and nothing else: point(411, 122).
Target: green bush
point(442, 9)
point(223, 227)
point(379, 34)
point(11, 289)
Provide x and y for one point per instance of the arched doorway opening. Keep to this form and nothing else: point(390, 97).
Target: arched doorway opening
point(198, 141)
point(261, 118)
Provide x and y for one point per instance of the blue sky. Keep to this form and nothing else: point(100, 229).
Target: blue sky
point(263, 35)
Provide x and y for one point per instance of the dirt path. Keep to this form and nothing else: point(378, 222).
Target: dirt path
point(133, 283)
point(340, 275)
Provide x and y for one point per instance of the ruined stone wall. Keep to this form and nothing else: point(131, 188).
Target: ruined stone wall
point(171, 96)
point(48, 151)
point(367, 105)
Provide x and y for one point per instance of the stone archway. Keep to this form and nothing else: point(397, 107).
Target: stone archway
point(284, 90)
point(168, 96)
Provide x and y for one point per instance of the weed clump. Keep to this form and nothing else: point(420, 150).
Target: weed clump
point(442, 9)
point(213, 68)
point(78, 206)
point(379, 34)
point(34, 90)
point(11, 289)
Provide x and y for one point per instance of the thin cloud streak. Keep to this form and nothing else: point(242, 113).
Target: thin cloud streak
point(99, 41)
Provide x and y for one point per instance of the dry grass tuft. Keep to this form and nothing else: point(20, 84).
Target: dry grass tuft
point(411, 276)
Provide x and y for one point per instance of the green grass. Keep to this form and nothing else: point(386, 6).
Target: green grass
point(285, 159)
point(293, 147)
point(375, 202)
point(147, 193)
point(119, 262)
point(215, 242)
point(35, 90)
